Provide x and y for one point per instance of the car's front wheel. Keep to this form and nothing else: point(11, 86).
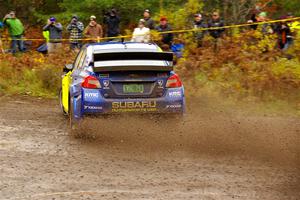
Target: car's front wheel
point(61, 103)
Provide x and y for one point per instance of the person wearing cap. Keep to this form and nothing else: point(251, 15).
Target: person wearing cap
point(55, 35)
point(75, 29)
point(94, 30)
point(112, 21)
point(16, 31)
point(149, 22)
point(142, 33)
point(167, 38)
point(199, 24)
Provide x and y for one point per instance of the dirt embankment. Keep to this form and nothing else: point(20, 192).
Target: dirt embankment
point(214, 153)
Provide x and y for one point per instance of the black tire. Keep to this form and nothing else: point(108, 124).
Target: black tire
point(72, 127)
point(75, 128)
point(61, 103)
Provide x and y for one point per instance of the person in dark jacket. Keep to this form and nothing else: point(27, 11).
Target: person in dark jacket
point(284, 34)
point(199, 24)
point(149, 22)
point(112, 21)
point(218, 23)
point(167, 38)
point(75, 29)
point(55, 35)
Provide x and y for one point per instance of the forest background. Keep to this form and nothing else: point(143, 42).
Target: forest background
point(248, 66)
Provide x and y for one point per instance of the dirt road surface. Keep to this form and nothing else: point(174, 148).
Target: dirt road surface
point(213, 154)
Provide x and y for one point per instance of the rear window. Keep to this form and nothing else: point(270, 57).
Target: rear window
point(139, 61)
point(161, 56)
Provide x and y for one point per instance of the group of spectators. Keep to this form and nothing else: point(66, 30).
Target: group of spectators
point(53, 31)
point(94, 31)
point(286, 30)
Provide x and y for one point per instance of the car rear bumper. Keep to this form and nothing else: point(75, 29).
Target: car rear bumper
point(92, 102)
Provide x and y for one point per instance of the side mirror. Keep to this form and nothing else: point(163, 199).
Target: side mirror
point(68, 67)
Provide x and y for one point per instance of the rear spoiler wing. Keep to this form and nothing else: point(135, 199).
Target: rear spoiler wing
point(133, 61)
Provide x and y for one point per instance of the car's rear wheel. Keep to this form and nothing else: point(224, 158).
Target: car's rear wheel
point(72, 126)
point(75, 125)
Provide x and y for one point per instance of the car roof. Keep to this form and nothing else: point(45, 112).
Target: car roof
point(110, 47)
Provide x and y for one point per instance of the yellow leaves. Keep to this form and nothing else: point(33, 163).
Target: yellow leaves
point(39, 60)
point(251, 65)
point(32, 73)
point(178, 18)
point(155, 35)
point(194, 6)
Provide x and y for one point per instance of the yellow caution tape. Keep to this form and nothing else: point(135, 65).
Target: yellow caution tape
point(165, 32)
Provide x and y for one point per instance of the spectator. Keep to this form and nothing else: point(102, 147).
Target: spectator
point(167, 38)
point(55, 35)
point(253, 16)
point(44, 48)
point(16, 31)
point(149, 21)
point(284, 34)
point(46, 35)
point(218, 23)
point(199, 24)
point(142, 33)
point(265, 27)
point(94, 30)
point(253, 20)
point(178, 47)
point(112, 20)
point(76, 29)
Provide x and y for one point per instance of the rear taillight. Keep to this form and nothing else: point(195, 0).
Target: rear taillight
point(174, 81)
point(91, 82)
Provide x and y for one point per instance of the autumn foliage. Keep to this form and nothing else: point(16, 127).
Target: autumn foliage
point(246, 65)
point(33, 73)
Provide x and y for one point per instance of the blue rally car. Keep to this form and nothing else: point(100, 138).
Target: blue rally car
point(115, 77)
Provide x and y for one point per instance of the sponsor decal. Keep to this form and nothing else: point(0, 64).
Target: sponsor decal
point(175, 94)
point(93, 108)
point(174, 106)
point(91, 95)
point(144, 106)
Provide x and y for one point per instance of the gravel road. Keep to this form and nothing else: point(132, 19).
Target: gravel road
point(213, 154)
